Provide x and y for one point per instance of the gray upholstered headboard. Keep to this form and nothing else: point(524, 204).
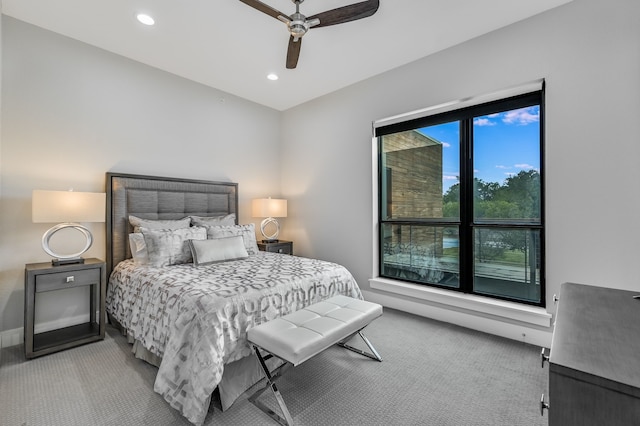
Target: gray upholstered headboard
point(152, 197)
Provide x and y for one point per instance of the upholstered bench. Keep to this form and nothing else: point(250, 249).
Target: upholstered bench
point(305, 333)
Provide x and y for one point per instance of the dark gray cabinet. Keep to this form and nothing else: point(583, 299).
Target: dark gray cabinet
point(594, 362)
point(280, 246)
point(43, 277)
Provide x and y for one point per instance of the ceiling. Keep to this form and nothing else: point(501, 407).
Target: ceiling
point(232, 47)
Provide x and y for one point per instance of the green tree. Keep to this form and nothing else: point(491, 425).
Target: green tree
point(523, 190)
point(517, 198)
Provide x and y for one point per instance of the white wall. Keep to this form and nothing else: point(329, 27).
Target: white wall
point(589, 53)
point(72, 112)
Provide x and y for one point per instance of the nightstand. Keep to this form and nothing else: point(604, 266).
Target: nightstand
point(280, 246)
point(43, 277)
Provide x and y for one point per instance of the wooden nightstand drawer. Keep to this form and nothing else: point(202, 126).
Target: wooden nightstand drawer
point(281, 246)
point(60, 280)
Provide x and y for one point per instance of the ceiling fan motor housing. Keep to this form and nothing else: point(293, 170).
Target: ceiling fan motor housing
point(298, 25)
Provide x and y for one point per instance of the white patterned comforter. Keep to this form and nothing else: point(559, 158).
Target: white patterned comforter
point(196, 317)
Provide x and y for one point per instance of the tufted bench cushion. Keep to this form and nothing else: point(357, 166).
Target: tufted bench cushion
point(302, 334)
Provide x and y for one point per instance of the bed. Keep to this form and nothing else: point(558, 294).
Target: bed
point(190, 317)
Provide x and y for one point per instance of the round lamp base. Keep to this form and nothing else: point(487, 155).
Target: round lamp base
point(273, 236)
point(65, 259)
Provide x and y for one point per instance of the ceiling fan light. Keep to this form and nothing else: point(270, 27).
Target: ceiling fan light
point(145, 19)
point(297, 30)
point(272, 76)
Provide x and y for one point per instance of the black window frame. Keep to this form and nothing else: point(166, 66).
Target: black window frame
point(466, 223)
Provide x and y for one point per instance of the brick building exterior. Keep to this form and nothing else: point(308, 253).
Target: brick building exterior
point(413, 189)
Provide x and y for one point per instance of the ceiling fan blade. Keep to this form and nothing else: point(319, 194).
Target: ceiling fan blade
point(346, 13)
point(293, 52)
point(258, 5)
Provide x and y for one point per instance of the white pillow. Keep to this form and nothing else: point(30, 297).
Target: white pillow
point(218, 250)
point(138, 222)
point(226, 220)
point(247, 232)
point(170, 246)
point(138, 249)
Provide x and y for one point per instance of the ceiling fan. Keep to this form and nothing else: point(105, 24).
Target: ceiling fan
point(299, 24)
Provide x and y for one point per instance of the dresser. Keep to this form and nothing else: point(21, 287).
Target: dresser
point(594, 361)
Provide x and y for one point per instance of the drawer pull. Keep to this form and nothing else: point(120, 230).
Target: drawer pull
point(71, 279)
point(543, 405)
point(543, 357)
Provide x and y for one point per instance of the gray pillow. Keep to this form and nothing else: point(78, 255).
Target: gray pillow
point(170, 246)
point(226, 220)
point(218, 250)
point(138, 222)
point(247, 232)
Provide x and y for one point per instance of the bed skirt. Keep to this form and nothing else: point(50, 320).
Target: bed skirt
point(238, 377)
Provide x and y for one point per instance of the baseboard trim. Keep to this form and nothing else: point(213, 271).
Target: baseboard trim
point(487, 325)
point(515, 331)
point(11, 337)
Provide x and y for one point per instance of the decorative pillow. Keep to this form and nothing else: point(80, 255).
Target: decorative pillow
point(138, 249)
point(218, 250)
point(247, 232)
point(226, 220)
point(138, 222)
point(170, 246)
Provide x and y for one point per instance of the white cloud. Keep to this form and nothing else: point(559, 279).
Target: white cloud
point(483, 122)
point(449, 177)
point(524, 166)
point(502, 167)
point(446, 144)
point(522, 116)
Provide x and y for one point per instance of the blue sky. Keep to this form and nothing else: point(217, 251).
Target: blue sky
point(504, 144)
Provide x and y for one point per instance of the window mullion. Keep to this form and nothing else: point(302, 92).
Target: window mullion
point(466, 205)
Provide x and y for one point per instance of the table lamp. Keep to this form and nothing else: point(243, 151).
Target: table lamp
point(269, 208)
point(69, 208)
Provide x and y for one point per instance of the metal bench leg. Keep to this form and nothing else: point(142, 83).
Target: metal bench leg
point(287, 420)
point(373, 355)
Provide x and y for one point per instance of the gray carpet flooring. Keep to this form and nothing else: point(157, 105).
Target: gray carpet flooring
point(433, 373)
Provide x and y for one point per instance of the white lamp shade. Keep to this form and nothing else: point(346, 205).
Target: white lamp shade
point(269, 207)
point(67, 206)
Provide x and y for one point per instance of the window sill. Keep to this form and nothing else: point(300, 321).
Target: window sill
point(483, 305)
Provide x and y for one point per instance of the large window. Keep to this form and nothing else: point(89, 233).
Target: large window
point(461, 199)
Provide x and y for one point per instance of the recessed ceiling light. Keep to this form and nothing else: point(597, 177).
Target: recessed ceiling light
point(272, 76)
point(145, 19)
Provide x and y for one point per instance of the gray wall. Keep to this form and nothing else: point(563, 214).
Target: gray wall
point(589, 53)
point(73, 112)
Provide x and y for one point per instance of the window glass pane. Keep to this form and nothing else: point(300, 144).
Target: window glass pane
point(421, 253)
point(506, 152)
point(507, 263)
point(420, 170)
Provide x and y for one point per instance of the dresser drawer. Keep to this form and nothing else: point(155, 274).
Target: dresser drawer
point(59, 280)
